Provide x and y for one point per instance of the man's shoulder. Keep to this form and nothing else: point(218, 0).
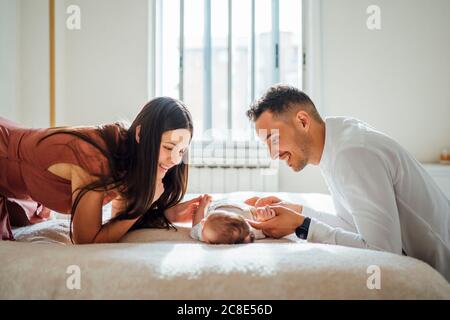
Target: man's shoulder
point(353, 134)
point(346, 134)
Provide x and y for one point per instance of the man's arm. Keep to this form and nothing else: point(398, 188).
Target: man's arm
point(331, 219)
point(367, 189)
point(365, 184)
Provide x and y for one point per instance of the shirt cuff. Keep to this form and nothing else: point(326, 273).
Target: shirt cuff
point(318, 231)
point(306, 211)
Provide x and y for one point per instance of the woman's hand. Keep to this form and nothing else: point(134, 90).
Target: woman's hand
point(273, 201)
point(183, 212)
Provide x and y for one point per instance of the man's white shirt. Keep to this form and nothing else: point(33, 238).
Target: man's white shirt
point(384, 198)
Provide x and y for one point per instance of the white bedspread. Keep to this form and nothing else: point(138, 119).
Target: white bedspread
point(161, 264)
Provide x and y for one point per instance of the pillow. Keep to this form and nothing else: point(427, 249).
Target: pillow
point(57, 232)
point(51, 231)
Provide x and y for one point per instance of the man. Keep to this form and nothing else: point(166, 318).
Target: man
point(384, 199)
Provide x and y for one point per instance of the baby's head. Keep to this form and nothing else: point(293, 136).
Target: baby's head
point(223, 227)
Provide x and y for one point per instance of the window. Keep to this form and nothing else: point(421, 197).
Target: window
point(219, 55)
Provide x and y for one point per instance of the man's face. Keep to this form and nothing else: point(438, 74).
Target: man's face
point(286, 138)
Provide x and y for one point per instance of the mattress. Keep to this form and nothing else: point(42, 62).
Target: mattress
point(168, 264)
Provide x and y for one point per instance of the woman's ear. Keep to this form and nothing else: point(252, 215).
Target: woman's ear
point(138, 133)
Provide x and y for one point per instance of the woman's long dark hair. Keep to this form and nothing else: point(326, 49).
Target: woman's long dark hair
point(133, 166)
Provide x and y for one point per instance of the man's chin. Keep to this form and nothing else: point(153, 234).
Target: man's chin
point(298, 168)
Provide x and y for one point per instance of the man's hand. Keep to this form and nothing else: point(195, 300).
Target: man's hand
point(284, 223)
point(273, 201)
point(183, 212)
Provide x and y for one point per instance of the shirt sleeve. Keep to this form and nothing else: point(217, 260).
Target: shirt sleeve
point(331, 219)
point(366, 191)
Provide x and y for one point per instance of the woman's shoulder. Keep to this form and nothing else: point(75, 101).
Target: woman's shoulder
point(102, 143)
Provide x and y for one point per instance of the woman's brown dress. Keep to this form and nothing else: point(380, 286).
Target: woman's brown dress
point(28, 191)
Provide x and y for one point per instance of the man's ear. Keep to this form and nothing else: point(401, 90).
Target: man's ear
point(138, 133)
point(302, 120)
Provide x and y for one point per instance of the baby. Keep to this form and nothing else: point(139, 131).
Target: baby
point(224, 223)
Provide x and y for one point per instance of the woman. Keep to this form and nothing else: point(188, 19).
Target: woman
point(77, 170)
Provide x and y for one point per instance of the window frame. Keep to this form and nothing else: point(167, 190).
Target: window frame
point(249, 146)
point(155, 71)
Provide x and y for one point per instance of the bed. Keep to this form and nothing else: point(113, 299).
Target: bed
point(162, 264)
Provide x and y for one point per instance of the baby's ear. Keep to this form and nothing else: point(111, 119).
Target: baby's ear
point(250, 237)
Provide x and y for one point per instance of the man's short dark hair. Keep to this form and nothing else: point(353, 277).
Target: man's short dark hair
point(281, 98)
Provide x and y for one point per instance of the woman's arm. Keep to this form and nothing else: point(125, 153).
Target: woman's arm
point(183, 212)
point(113, 231)
point(87, 222)
point(118, 204)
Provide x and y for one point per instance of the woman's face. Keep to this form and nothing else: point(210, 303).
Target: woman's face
point(174, 144)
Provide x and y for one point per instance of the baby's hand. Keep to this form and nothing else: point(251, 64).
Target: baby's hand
point(262, 214)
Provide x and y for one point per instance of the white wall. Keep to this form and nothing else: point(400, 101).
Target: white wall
point(397, 79)
point(24, 61)
point(105, 63)
point(101, 70)
point(34, 58)
point(9, 48)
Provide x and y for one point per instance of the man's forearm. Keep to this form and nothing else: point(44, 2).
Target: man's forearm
point(293, 206)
